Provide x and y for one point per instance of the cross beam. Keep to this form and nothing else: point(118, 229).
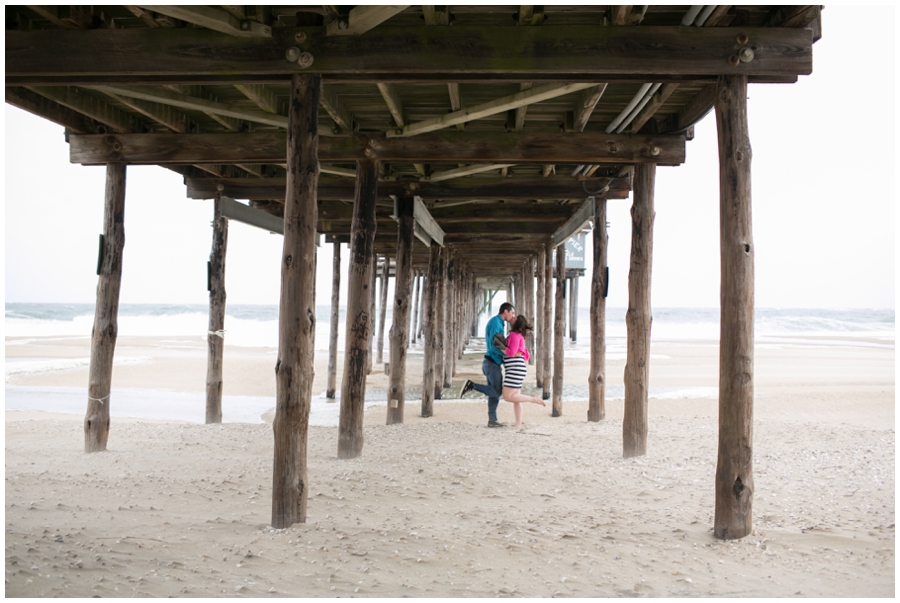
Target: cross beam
point(445, 146)
point(579, 53)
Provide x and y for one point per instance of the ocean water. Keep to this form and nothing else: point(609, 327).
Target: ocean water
point(257, 326)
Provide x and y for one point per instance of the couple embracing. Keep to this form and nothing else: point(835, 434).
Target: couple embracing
point(510, 353)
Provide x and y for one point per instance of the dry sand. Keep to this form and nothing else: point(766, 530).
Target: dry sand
point(446, 507)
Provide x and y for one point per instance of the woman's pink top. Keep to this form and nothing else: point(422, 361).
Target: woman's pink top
point(515, 343)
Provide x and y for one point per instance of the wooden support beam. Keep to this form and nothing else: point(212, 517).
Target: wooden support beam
point(144, 15)
point(330, 388)
point(382, 311)
point(559, 331)
point(336, 109)
point(359, 312)
point(658, 100)
point(547, 320)
point(399, 336)
point(192, 103)
point(429, 325)
point(393, 101)
point(106, 311)
point(215, 337)
point(599, 287)
point(573, 53)
point(232, 124)
point(262, 95)
point(520, 112)
point(297, 308)
point(734, 469)
point(251, 216)
point(362, 19)
point(499, 105)
point(468, 170)
point(162, 114)
point(445, 190)
point(93, 108)
point(215, 19)
point(576, 223)
point(638, 318)
point(51, 110)
point(618, 15)
point(456, 147)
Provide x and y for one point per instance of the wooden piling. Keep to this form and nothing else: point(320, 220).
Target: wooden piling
point(429, 324)
point(382, 311)
point(638, 317)
point(331, 386)
point(360, 314)
point(734, 470)
point(529, 296)
point(373, 279)
point(539, 319)
point(414, 327)
point(215, 338)
point(559, 330)
point(547, 336)
point(440, 328)
point(449, 288)
point(297, 309)
point(106, 311)
point(573, 308)
point(400, 322)
point(597, 371)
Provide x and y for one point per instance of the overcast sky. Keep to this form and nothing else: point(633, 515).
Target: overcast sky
point(823, 203)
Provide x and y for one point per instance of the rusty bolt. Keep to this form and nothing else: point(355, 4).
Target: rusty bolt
point(743, 39)
point(292, 54)
point(746, 54)
point(220, 187)
point(368, 152)
point(245, 25)
point(343, 24)
point(654, 151)
point(733, 60)
point(300, 36)
point(305, 60)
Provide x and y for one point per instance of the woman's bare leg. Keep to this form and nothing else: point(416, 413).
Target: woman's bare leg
point(515, 395)
point(517, 410)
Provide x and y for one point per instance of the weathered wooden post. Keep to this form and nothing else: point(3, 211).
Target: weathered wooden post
point(423, 305)
point(734, 469)
point(373, 278)
point(331, 386)
point(573, 308)
point(297, 308)
point(106, 311)
point(448, 288)
point(400, 321)
point(539, 319)
point(547, 336)
point(440, 328)
point(360, 314)
point(382, 311)
point(599, 284)
point(215, 338)
point(414, 327)
point(529, 296)
point(429, 325)
point(638, 317)
point(559, 330)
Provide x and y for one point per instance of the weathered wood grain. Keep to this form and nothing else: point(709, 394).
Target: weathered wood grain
point(444, 146)
point(429, 326)
point(216, 331)
point(399, 335)
point(331, 386)
point(559, 331)
point(734, 469)
point(597, 370)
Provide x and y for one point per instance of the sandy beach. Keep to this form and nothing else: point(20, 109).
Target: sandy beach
point(446, 507)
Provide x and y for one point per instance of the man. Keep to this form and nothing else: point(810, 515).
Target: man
point(492, 363)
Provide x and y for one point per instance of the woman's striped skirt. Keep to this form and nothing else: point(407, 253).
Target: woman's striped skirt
point(515, 371)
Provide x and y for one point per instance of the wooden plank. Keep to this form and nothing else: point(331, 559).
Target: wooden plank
point(260, 94)
point(424, 220)
point(585, 106)
point(92, 107)
point(336, 109)
point(183, 101)
point(42, 106)
point(359, 317)
point(486, 189)
point(456, 147)
point(638, 318)
point(520, 112)
point(106, 312)
point(697, 108)
point(162, 114)
point(363, 19)
point(394, 102)
point(499, 105)
point(297, 311)
point(734, 468)
point(215, 338)
point(215, 19)
point(561, 53)
point(576, 223)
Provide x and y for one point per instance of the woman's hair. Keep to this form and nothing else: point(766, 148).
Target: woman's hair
point(521, 326)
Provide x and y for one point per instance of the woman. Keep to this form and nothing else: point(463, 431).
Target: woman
point(514, 364)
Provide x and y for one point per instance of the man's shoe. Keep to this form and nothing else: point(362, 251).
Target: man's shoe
point(495, 424)
point(466, 388)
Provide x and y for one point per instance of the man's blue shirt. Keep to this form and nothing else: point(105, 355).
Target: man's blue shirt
point(494, 325)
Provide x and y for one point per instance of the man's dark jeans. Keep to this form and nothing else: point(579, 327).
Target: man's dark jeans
point(494, 387)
